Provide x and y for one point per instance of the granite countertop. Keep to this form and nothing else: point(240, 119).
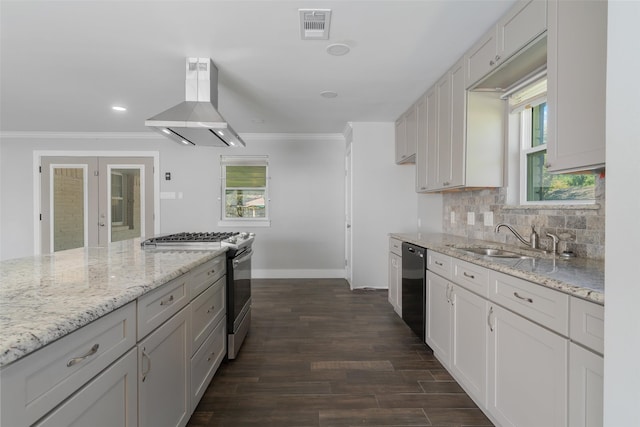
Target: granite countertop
point(43, 298)
point(579, 277)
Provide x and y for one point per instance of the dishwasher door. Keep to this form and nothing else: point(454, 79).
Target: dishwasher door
point(414, 287)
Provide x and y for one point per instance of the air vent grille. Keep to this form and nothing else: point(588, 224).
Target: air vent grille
point(314, 24)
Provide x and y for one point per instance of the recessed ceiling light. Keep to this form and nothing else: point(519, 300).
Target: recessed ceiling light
point(338, 49)
point(328, 94)
point(118, 108)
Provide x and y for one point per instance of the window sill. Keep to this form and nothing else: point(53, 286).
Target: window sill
point(245, 223)
point(581, 207)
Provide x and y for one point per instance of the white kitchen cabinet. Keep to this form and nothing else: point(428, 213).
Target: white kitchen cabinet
point(406, 136)
point(108, 400)
point(163, 373)
point(395, 275)
point(426, 149)
point(527, 372)
point(438, 319)
point(422, 155)
point(464, 136)
point(206, 361)
point(576, 85)
point(36, 384)
point(469, 342)
point(515, 30)
point(586, 380)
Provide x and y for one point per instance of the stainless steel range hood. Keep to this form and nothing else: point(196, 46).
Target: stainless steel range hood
point(196, 121)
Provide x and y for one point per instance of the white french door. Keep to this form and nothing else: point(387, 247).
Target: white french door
point(91, 201)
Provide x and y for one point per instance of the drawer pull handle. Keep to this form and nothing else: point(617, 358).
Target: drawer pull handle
point(489, 319)
point(470, 276)
point(211, 356)
point(211, 272)
point(90, 353)
point(167, 301)
point(145, 356)
point(213, 307)
point(438, 263)
point(524, 298)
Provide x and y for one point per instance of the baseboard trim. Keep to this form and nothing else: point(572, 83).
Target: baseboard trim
point(297, 274)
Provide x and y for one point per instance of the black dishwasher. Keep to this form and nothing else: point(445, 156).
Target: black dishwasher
point(414, 287)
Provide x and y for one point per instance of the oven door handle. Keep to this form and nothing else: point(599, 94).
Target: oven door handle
point(245, 257)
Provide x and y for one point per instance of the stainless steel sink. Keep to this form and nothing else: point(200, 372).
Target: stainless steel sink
point(491, 252)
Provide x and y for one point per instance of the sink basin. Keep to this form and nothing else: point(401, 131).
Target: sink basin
point(491, 252)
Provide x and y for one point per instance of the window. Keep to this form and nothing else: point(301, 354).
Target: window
point(537, 185)
point(244, 188)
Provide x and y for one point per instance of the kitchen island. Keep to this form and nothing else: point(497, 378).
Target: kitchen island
point(114, 335)
point(43, 298)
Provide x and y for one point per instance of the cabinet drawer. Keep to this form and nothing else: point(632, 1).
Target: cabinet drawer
point(440, 264)
point(586, 324)
point(545, 306)
point(205, 275)
point(160, 304)
point(206, 310)
point(35, 384)
point(472, 277)
point(395, 246)
point(206, 361)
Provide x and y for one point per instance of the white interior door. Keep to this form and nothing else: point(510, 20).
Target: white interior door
point(91, 201)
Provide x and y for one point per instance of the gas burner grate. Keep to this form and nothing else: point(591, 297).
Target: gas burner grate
point(192, 237)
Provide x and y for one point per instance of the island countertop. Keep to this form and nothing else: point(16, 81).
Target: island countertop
point(579, 277)
point(43, 298)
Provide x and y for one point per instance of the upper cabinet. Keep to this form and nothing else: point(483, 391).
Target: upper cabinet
point(521, 25)
point(576, 85)
point(460, 136)
point(406, 136)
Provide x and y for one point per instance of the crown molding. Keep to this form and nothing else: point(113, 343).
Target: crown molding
point(300, 137)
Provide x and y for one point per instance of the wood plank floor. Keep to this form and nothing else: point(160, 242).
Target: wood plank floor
point(319, 354)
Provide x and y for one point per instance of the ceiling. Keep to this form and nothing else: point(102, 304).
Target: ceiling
point(64, 64)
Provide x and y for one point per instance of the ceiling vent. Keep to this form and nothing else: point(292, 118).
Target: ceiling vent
point(314, 24)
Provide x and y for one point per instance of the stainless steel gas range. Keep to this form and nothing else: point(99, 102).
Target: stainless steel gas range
point(238, 287)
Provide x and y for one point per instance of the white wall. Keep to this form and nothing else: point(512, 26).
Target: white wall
point(622, 270)
point(306, 237)
point(383, 199)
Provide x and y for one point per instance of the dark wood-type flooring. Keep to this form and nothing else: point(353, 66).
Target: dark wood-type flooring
point(319, 354)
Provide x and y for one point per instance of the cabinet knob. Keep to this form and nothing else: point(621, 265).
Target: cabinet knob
point(492, 63)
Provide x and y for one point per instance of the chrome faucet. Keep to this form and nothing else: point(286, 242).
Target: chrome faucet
point(533, 238)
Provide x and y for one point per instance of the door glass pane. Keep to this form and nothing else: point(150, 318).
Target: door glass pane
point(125, 204)
point(68, 208)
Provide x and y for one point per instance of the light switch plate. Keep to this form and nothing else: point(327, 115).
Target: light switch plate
point(471, 218)
point(488, 219)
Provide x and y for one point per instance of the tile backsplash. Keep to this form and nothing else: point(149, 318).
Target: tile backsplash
point(580, 228)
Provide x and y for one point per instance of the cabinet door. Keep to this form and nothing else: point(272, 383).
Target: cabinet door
point(444, 132)
point(438, 327)
point(481, 58)
point(395, 281)
point(422, 161)
point(411, 135)
point(108, 400)
point(401, 139)
point(163, 366)
point(458, 125)
point(469, 342)
point(576, 82)
point(432, 138)
point(527, 372)
point(586, 375)
point(523, 23)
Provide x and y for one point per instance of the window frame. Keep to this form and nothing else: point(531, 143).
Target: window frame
point(248, 160)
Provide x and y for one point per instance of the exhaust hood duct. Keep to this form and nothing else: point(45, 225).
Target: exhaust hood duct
point(196, 121)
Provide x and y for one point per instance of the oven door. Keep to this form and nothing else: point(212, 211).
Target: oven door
point(239, 301)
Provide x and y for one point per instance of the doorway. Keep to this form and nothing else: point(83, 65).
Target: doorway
point(92, 201)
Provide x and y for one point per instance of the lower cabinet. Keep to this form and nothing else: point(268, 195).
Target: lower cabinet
point(527, 372)
point(586, 377)
point(163, 372)
point(469, 342)
point(395, 275)
point(106, 401)
point(438, 327)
